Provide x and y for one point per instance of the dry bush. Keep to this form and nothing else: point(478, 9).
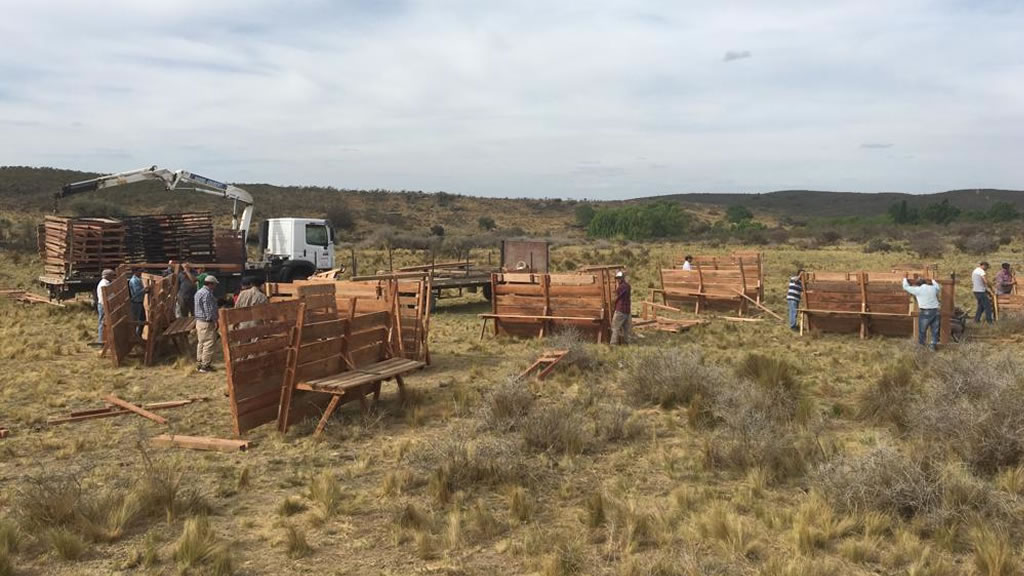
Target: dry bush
point(734, 533)
point(166, 488)
point(10, 536)
point(199, 548)
point(974, 403)
point(557, 428)
point(882, 479)
point(889, 399)
point(326, 494)
point(291, 506)
point(979, 243)
point(816, 525)
point(927, 244)
point(105, 516)
point(615, 422)
point(669, 376)
point(567, 558)
point(581, 353)
point(506, 404)
point(6, 565)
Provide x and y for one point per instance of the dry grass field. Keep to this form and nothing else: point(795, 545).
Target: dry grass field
point(734, 448)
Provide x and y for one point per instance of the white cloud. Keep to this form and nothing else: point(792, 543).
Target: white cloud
point(607, 99)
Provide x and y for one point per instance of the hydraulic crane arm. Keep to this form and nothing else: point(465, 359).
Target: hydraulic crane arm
point(174, 181)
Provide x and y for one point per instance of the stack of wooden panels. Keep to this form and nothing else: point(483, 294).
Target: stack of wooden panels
point(163, 237)
point(72, 247)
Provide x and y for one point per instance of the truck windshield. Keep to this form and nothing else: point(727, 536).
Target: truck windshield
point(316, 235)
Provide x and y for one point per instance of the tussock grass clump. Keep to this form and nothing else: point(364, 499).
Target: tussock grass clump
point(199, 547)
point(520, 505)
point(296, 543)
point(413, 517)
point(65, 544)
point(816, 525)
point(325, 492)
point(6, 565)
point(734, 533)
point(993, 552)
point(556, 428)
point(668, 377)
point(47, 501)
point(1011, 480)
point(506, 404)
point(974, 403)
point(105, 517)
point(889, 399)
point(165, 488)
point(10, 536)
point(615, 422)
point(567, 558)
point(459, 462)
point(291, 506)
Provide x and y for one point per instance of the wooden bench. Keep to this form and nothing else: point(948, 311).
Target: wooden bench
point(533, 305)
point(341, 359)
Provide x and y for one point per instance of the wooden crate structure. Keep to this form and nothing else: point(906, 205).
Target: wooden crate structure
point(80, 247)
point(724, 289)
point(751, 263)
point(1008, 304)
point(255, 342)
point(118, 328)
point(868, 303)
point(535, 305)
point(337, 360)
point(413, 297)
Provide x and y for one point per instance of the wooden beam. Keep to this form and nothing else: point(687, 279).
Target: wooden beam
point(109, 411)
point(134, 408)
point(201, 443)
point(759, 305)
point(4, 432)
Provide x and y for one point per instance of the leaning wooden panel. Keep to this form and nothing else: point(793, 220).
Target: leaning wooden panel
point(118, 328)
point(159, 306)
point(255, 372)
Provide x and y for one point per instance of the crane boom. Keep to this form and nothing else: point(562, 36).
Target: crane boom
point(172, 181)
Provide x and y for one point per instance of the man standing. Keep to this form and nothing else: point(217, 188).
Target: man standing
point(793, 294)
point(688, 262)
point(622, 320)
point(1005, 280)
point(186, 291)
point(927, 296)
point(105, 278)
point(251, 295)
point(979, 285)
point(206, 323)
point(137, 296)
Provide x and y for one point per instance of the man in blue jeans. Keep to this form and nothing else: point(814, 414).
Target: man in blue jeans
point(979, 285)
point(927, 295)
point(105, 278)
point(793, 295)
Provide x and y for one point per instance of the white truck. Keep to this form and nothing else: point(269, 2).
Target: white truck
point(290, 248)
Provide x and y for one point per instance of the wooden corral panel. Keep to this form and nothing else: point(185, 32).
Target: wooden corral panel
point(118, 328)
point(750, 263)
point(255, 341)
point(723, 289)
point(867, 303)
point(533, 305)
point(159, 306)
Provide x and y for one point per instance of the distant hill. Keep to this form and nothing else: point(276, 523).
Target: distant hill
point(823, 204)
point(31, 191)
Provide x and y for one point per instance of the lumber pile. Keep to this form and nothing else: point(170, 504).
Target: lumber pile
point(650, 319)
point(162, 237)
point(28, 297)
point(868, 303)
point(80, 247)
point(535, 305)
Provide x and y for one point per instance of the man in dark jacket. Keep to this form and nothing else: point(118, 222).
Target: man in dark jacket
point(622, 319)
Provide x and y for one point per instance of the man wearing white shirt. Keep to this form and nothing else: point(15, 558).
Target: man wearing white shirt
point(105, 277)
point(688, 263)
point(928, 308)
point(979, 285)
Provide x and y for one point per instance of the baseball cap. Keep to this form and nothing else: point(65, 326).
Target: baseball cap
point(619, 274)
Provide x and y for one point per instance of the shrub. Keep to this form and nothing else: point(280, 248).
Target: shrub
point(326, 494)
point(878, 245)
point(829, 238)
point(557, 428)
point(17, 235)
point(296, 543)
point(340, 217)
point(980, 243)
point(888, 399)
point(463, 460)
point(1002, 212)
point(95, 208)
point(506, 404)
point(738, 213)
point(974, 403)
point(927, 244)
point(65, 543)
point(639, 221)
point(580, 354)
point(881, 479)
point(437, 230)
point(584, 214)
point(486, 223)
point(669, 376)
point(199, 546)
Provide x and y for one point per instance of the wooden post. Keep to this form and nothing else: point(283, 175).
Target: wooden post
point(700, 290)
point(862, 279)
point(494, 301)
point(545, 281)
point(743, 287)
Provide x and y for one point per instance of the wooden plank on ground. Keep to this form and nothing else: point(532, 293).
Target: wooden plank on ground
point(201, 443)
point(113, 399)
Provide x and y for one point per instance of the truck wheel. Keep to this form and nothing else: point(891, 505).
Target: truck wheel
point(487, 292)
point(297, 271)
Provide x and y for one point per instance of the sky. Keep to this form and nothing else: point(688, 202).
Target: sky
point(599, 99)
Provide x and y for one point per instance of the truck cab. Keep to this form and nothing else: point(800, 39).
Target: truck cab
point(304, 244)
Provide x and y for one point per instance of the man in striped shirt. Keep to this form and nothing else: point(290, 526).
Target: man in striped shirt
point(793, 295)
point(206, 323)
